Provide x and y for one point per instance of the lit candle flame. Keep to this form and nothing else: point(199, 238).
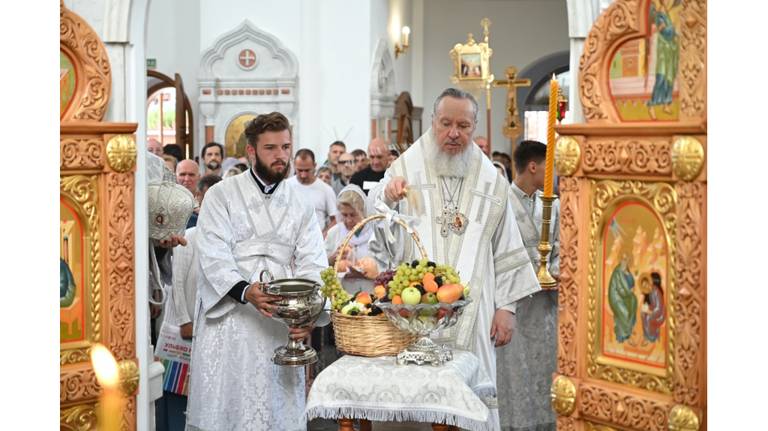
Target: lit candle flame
point(105, 366)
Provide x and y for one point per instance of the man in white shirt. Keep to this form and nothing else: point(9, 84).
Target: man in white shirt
point(318, 193)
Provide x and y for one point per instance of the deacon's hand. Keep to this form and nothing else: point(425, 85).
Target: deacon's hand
point(395, 189)
point(185, 331)
point(262, 301)
point(503, 327)
point(300, 333)
point(173, 241)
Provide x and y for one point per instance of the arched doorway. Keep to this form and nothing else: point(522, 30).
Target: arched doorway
point(169, 117)
point(536, 97)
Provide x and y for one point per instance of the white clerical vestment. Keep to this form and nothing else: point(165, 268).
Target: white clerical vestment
point(489, 255)
point(234, 384)
point(526, 364)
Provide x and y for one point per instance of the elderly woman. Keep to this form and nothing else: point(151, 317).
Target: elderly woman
point(351, 205)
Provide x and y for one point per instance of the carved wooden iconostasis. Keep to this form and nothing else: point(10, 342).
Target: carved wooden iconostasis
point(97, 163)
point(633, 181)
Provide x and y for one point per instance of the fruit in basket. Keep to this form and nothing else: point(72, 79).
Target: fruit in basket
point(397, 299)
point(351, 309)
point(332, 289)
point(368, 267)
point(429, 283)
point(380, 291)
point(363, 298)
point(429, 298)
point(439, 280)
point(450, 293)
point(411, 296)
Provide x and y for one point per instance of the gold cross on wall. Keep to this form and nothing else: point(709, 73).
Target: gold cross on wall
point(512, 128)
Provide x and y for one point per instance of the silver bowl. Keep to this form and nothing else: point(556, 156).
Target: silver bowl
point(423, 320)
point(299, 306)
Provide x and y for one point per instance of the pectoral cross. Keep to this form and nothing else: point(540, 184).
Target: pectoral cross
point(512, 127)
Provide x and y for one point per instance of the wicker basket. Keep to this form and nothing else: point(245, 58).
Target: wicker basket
point(370, 335)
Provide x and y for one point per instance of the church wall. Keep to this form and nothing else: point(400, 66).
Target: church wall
point(521, 32)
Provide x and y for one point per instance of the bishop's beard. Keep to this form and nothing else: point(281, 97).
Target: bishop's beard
point(448, 165)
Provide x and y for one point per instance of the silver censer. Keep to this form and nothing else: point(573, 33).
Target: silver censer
point(300, 306)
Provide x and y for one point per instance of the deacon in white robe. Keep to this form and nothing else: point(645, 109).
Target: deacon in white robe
point(525, 365)
point(464, 220)
point(248, 223)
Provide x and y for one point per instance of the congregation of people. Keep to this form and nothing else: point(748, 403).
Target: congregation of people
point(287, 210)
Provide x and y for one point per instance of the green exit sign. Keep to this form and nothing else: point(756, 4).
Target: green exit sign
point(151, 63)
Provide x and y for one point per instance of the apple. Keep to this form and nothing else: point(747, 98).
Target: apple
point(411, 296)
point(429, 298)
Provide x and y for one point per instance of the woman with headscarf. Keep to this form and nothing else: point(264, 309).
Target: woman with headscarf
point(351, 203)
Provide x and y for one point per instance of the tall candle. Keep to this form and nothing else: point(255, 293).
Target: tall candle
point(549, 172)
point(110, 411)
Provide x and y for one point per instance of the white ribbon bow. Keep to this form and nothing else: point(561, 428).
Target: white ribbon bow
point(392, 217)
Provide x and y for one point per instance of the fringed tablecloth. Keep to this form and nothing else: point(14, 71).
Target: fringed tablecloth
point(377, 389)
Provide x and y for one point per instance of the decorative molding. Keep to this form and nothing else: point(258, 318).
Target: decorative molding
point(566, 424)
point(78, 418)
point(614, 25)
point(247, 31)
point(563, 394)
point(129, 376)
point(627, 156)
point(94, 81)
point(121, 152)
point(622, 409)
point(683, 418)
point(569, 270)
point(690, 306)
point(382, 82)
point(82, 191)
point(687, 157)
point(663, 199)
point(78, 385)
point(692, 78)
point(120, 257)
point(81, 153)
point(567, 155)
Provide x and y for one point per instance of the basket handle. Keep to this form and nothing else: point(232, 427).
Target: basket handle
point(371, 218)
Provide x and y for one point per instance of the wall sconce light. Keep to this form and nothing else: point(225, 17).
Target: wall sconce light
point(401, 47)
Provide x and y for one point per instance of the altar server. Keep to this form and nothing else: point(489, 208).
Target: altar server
point(250, 222)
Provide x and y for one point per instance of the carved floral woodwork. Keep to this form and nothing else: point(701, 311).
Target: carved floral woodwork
point(602, 163)
point(97, 160)
point(619, 156)
point(81, 153)
point(569, 270)
point(94, 81)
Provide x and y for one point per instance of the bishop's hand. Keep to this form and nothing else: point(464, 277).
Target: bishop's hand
point(502, 327)
point(395, 190)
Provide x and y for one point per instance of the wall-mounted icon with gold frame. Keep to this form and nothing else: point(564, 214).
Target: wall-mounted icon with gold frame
point(471, 62)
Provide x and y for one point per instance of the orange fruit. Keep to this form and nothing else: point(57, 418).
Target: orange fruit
point(397, 299)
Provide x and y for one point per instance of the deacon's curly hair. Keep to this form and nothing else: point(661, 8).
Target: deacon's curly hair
point(272, 122)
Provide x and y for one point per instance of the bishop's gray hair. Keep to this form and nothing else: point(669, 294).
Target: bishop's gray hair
point(456, 94)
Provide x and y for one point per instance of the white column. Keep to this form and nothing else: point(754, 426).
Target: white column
point(581, 15)
point(417, 55)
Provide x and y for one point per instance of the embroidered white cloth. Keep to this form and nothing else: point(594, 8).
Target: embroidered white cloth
point(377, 389)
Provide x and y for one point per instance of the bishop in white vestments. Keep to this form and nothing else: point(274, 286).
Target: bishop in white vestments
point(526, 364)
point(464, 220)
point(248, 223)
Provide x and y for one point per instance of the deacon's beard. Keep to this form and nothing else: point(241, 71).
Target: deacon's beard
point(270, 175)
point(213, 165)
point(449, 165)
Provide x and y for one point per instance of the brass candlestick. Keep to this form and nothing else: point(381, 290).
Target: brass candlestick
point(545, 278)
